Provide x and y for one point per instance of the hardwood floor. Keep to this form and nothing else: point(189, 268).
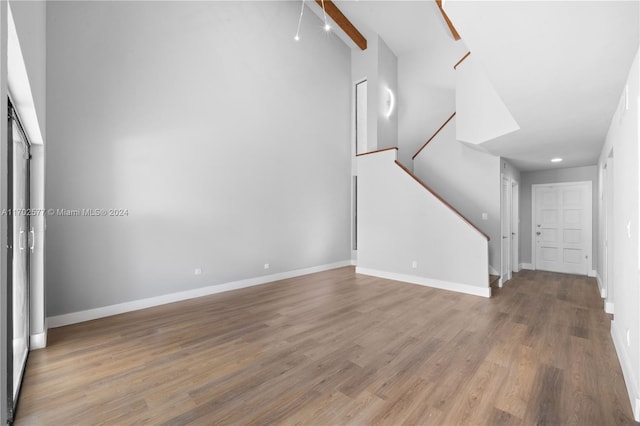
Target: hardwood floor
point(338, 348)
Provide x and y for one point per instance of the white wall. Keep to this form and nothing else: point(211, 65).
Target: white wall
point(572, 174)
point(481, 113)
point(227, 142)
point(468, 179)
point(622, 139)
point(378, 65)
point(364, 66)
point(30, 18)
point(400, 222)
point(387, 78)
point(426, 97)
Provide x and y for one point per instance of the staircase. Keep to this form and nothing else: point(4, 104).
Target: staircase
point(407, 232)
point(406, 229)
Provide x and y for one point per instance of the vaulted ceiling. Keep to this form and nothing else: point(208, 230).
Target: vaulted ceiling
point(559, 66)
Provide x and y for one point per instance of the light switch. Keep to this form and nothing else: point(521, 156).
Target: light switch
point(485, 216)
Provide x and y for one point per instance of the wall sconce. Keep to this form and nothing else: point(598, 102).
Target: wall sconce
point(390, 102)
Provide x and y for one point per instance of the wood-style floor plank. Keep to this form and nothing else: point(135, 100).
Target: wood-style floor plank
point(338, 348)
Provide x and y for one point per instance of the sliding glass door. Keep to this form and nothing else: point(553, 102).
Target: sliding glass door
point(18, 255)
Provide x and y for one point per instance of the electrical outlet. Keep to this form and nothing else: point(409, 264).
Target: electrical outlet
point(267, 266)
point(198, 271)
point(414, 264)
point(485, 216)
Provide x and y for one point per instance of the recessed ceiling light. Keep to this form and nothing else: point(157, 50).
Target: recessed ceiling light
point(327, 27)
point(556, 160)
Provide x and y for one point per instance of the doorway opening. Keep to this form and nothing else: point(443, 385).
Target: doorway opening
point(509, 220)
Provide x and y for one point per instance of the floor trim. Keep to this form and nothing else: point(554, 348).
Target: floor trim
point(627, 371)
point(527, 266)
point(106, 311)
point(609, 307)
point(38, 341)
point(427, 282)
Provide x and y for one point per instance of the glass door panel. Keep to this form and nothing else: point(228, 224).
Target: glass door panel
point(18, 271)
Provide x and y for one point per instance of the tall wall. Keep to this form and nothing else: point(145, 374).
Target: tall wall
point(426, 85)
point(378, 65)
point(387, 79)
point(571, 174)
point(622, 144)
point(226, 142)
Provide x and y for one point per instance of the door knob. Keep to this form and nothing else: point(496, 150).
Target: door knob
point(538, 233)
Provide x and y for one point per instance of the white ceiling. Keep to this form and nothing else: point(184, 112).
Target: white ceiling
point(559, 66)
point(405, 26)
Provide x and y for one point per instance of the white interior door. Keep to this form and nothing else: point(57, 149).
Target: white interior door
point(562, 227)
point(505, 218)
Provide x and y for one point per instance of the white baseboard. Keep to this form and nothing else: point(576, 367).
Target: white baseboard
point(527, 266)
point(603, 291)
point(493, 271)
point(627, 371)
point(609, 308)
point(354, 262)
point(106, 311)
point(38, 341)
point(592, 273)
point(428, 282)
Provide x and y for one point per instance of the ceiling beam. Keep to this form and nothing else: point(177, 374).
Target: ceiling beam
point(344, 23)
point(455, 34)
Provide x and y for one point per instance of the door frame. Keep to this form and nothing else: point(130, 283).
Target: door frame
point(607, 245)
point(589, 186)
point(505, 216)
point(515, 226)
point(13, 119)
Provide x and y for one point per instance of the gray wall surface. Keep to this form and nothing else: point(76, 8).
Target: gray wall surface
point(387, 77)
point(427, 95)
point(573, 174)
point(468, 179)
point(226, 140)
